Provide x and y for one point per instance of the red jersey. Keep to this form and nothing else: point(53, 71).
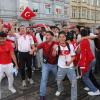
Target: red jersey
point(77, 56)
point(86, 55)
point(5, 56)
point(46, 47)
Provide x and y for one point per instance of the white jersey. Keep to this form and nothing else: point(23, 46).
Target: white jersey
point(65, 56)
point(24, 42)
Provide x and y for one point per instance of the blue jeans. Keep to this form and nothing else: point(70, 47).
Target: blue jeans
point(70, 72)
point(46, 68)
point(87, 80)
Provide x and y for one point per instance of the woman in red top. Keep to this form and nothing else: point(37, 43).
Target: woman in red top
point(6, 56)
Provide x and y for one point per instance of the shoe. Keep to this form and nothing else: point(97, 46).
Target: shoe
point(86, 88)
point(12, 89)
point(42, 97)
point(57, 93)
point(23, 83)
point(30, 81)
point(94, 93)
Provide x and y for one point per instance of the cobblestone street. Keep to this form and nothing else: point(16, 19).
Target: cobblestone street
point(32, 92)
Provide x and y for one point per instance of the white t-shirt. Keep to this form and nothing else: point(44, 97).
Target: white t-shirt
point(65, 56)
point(24, 42)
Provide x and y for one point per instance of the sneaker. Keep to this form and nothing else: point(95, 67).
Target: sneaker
point(30, 81)
point(86, 88)
point(23, 83)
point(12, 89)
point(94, 93)
point(57, 93)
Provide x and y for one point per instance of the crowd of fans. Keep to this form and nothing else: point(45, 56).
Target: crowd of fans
point(72, 51)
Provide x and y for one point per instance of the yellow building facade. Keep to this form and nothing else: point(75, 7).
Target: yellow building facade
point(85, 12)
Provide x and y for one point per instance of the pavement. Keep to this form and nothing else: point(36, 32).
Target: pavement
point(31, 92)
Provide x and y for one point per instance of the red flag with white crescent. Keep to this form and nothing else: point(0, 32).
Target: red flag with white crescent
point(27, 14)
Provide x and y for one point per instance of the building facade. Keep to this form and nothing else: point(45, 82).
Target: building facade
point(8, 9)
point(48, 11)
point(85, 12)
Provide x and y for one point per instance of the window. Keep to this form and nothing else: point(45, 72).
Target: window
point(78, 12)
point(66, 10)
point(35, 7)
point(88, 14)
point(98, 2)
point(47, 8)
point(93, 2)
point(23, 4)
point(93, 15)
point(88, 2)
point(97, 15)
point(74, 12)
point(83, 12)
point(58, 9)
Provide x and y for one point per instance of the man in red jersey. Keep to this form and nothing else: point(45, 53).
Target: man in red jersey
point(6, 57)
point(49, 62)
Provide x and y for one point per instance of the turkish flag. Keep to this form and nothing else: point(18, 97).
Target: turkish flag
point(27, 14)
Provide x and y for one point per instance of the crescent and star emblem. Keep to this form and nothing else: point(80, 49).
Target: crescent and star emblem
point(27, 14)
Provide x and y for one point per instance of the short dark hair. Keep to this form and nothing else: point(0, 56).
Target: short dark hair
point(52, 27)
point(70, 35)
point(57, 28)
point(51, 33)
point(88, 30)
point(78, 27)
point(62, 32)
point(2, 34)
point(43, 31)
point(84, 32)
point(20, 27)
point(64, 25)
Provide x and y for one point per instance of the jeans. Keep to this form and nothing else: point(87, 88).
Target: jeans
point(70, 72)
point(46, 69)
point(91, 75)
point(87, 80)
